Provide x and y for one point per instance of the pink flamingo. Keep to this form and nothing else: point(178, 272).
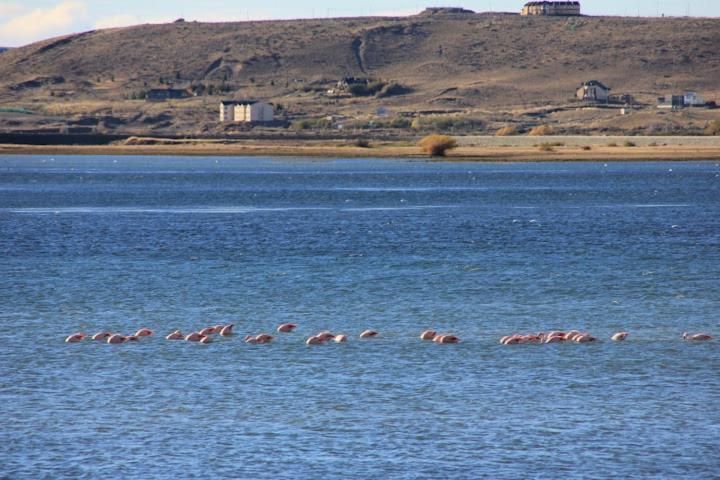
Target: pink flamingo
point(75, 337)
point(115, 339)
point(207, 331)
point(325, 336)
point(571, 335)
point(340, 338)
point(206, 339)
point(314, 340)
point(369, 334)
point(101, 336)
point(144, 332)
point(250, 339)
point(193, 337)
point(620, 336)
point(264, 338)
point(555, 338)
point(286, 327)
point(428, 335)
point(132, 338)
point(227, 330)
point(447, 339)
point(512, 340)
point(698, 337)
point(584, 338)
point(176, 335)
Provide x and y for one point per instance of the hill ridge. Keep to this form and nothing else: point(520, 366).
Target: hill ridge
point(456, 62)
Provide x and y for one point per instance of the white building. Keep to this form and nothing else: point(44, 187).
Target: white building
point(593, 91)
point(687, 99)
point(692, 99)
point(246, 111)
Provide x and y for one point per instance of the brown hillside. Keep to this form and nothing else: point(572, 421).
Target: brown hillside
point(496, 67)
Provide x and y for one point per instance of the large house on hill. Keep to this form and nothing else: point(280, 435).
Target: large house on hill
point(593, 91)
point(246, 111)
point(551, 8)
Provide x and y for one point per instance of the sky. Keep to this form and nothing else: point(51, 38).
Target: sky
point(26, 21)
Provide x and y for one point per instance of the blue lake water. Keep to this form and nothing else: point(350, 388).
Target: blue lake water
point(480, 250)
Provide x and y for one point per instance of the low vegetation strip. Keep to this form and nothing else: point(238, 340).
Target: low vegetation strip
point(590, 140)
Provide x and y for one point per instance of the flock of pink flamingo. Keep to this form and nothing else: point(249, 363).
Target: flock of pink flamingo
point(580, 337)
point(202, 336)
point(205, 336)
point(556, 337)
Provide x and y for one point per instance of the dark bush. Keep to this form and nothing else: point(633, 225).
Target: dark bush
point(392, 89)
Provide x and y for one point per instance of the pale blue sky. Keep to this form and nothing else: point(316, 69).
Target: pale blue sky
point(25, 21)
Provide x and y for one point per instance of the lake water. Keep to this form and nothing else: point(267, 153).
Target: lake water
point(480, 250)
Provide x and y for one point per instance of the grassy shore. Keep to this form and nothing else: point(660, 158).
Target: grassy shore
point(545, 151)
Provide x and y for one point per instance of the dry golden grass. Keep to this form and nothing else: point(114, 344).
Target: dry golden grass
point(713, 127)
point(507, 131)
point(546, 147)
point(437, 145)
point(541, 130)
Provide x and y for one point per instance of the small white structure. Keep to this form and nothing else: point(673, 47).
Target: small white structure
point(246, 111)
point(692, 99)
point(593, 91)
point(687, 99)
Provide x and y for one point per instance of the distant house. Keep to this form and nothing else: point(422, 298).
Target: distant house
point(163, 94)
point(246, 111)
point(564, 9)
point(593, 91)
point(687, 99)
point(692, 99)
point(671, 101)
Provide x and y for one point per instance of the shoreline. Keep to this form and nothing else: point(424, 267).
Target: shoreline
point(398, 150)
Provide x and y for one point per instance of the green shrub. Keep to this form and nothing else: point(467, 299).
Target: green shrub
point(399, 122)
point(358, 90)
point(587, 147)
point(447, 123)
point(375, 87)
point(629, 144)
point(362, 143)
point(546, 147)
point(312, 124)
point(379, 123)
point(437, 145)
point(612, 144)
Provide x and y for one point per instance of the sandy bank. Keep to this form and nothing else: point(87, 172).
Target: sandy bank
point(521, 151)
